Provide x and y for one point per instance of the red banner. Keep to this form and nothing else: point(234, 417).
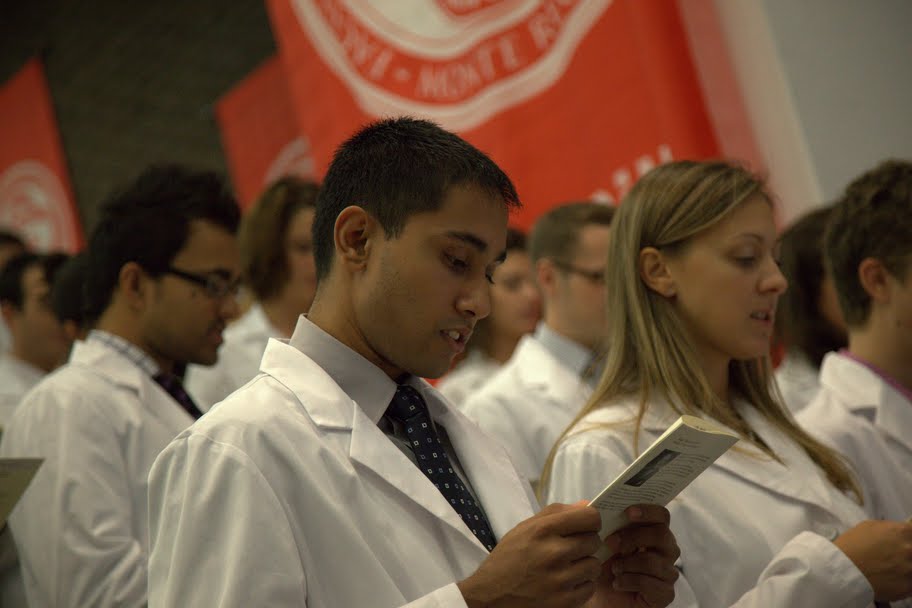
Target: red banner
point(260, 134)
point(573, 98)
point(35, 196)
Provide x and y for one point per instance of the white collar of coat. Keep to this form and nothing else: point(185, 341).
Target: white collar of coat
point(866, 393)
point(314, 363)
point(538, 368)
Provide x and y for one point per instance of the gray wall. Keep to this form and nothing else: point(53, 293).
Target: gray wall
point(135, 82)
point(848, 64)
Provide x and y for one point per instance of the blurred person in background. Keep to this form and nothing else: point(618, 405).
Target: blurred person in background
point(536, 394)
point(39, 343)
point(809, 323)
point(11, 244)
point(864, 406)
point(67, 297)
point(515, 311)
point(278, 267)
point(163, 273)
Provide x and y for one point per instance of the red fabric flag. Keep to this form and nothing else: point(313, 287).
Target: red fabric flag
point(259, 132)
point(35, 195)
point(574, 99)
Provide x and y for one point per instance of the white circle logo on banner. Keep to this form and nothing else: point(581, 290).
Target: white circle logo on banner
point(458, 62)
point(34, 203)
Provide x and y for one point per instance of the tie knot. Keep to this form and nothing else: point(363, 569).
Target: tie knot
point(407, 403)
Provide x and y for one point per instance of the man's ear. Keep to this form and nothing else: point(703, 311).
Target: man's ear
point(353, 233)
point(655, 273)
point(133, 285)
point(546, 274)
point(873, 276)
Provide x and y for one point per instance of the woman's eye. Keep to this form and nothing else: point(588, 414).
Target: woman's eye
point(746, 261)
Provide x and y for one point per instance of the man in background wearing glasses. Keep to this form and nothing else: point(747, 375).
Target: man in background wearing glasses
point(161, 286)
point(536, 394)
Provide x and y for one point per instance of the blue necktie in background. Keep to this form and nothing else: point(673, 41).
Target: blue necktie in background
point(408, 408)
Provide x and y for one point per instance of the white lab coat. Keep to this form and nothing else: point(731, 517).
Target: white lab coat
point(528, 403)
point(238, 359)
point(287, 494)
point(467, 377)
point(752, 532)
point(798, 381)
point(870, 422)
point(16, 378)
point(81, 526)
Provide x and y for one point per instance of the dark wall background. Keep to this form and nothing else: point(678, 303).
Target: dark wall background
point(134, 82)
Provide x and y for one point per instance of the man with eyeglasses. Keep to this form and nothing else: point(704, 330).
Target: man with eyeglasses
point(161, 284)
point(535, 395)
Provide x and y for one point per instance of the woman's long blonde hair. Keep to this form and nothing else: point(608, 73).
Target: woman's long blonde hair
point(649, 350)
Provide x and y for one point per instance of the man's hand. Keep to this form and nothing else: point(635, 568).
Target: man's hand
point(545, 561)
point(641, 571)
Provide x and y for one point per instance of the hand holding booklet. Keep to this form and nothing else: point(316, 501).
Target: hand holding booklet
point(668, 466)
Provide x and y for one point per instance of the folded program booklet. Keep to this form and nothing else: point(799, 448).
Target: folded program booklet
point(674, 460)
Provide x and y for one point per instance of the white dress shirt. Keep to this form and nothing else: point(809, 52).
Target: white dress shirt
point(17, 377)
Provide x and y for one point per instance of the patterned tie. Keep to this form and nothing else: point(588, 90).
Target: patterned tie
point(408, 407)
point(173, 386)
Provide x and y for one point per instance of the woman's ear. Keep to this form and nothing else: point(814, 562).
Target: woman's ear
point(353, 231)
point(654, 272)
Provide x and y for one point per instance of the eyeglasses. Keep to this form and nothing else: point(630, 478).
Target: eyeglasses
point(594, 276)
point(215, 284)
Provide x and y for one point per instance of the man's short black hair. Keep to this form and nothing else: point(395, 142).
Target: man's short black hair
point(395, 168)
point(67, 290)
point(148, 223)
point(11, 290)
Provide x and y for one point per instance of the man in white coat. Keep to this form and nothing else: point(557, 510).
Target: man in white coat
point(163, 268)
point(864, 407)
point(338, 477)
point(536, 394)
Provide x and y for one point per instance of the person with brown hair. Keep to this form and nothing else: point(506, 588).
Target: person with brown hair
point(864, 407)
point(515, 311)
point(808, 323)
point(536, 394)
point(694, 285)
point(278, 268)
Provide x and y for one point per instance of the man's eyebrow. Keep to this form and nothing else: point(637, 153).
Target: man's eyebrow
point(477, 243)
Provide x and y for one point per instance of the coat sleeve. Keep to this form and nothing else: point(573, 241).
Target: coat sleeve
point(74, 526)
point(220, 535)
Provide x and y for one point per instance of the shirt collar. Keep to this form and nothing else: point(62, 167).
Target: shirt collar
point(890, 380)
point(364, 382)
point(135, 354)
point(572, 354)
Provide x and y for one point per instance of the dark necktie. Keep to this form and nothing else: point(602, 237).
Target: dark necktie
point(173, 387)
point(408, 408)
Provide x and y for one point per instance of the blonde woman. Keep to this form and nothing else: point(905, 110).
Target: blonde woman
point(774, 523)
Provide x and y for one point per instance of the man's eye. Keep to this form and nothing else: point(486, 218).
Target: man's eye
point(457, 264)
point(489, 277)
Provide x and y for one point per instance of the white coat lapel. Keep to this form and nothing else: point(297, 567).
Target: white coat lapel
point(330, 408)
point(372, 449)
point(487, 466)
point(121, 372)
